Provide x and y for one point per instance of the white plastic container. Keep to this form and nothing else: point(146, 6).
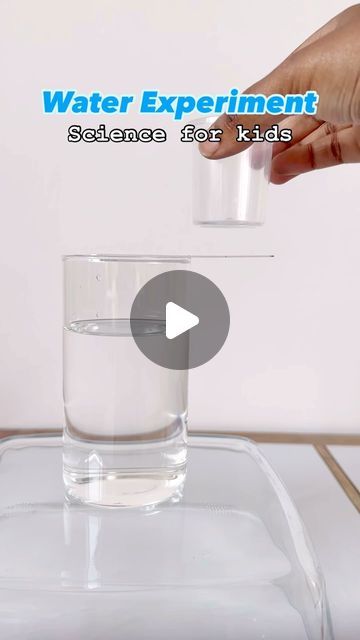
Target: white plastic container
point(230, 560)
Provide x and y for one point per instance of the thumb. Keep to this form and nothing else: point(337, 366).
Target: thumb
point(278, 81)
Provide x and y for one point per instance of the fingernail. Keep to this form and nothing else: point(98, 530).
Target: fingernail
point(208, 149)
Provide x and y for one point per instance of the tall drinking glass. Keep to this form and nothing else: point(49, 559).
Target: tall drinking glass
point(125, 416)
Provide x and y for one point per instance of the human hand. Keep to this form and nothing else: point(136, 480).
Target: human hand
point(329, 63)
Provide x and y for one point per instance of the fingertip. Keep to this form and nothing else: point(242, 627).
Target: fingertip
point(280, 179)
point(279, 165)
point(208, 149)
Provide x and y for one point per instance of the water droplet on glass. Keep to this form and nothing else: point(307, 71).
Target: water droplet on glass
point(98, 277)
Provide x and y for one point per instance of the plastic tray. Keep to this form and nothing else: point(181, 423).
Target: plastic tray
point(230, 561)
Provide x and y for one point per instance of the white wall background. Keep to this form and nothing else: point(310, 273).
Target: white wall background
point(292, 360)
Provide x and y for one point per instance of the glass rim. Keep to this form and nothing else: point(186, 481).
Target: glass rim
point(113, 257)
point(207, 120)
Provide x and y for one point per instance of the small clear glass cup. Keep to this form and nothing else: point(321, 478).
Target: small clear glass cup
point(125, 416)
point(230, 192)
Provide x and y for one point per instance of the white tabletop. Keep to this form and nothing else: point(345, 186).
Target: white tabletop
point(349, 459)
point(333, 524)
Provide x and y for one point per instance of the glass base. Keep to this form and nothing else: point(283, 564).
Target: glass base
point(115, 489)
point(227, 223)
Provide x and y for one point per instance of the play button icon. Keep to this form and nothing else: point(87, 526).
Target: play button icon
point(179, 319)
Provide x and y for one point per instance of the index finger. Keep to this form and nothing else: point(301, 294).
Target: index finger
point(279, 81)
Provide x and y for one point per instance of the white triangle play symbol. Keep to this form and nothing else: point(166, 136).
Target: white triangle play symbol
point(178, 320)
